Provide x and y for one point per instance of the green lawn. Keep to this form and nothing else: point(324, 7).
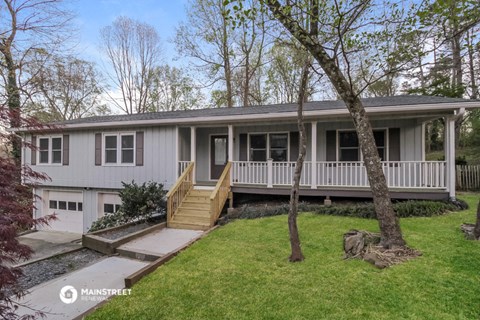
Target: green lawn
point(240, 271)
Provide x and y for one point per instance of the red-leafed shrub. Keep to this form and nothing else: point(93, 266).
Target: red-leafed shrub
point(16, 208)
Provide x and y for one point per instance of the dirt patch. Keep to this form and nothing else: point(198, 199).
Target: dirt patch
point(365, 245)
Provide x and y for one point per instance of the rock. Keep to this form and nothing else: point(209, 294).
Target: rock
point(381, 264)
point(467, 229)
point(370, 257)
point(353, 243)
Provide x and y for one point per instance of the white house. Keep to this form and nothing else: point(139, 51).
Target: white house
point(87, 159)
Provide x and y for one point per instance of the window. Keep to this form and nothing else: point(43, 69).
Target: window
point(279, 146)
point(50, 150)
point(127, 149)
point(271, 145)
point(43, 150)
point(119, 148)
point(110, 208)
point(348, 146)
point(258, 147)
point(72, 206)
point(53, 204)
point(110, 149)
point(62, 205)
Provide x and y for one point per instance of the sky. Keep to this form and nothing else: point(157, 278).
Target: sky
point(92, 15)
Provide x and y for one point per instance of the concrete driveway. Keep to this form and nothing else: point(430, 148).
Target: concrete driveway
point(49, 243)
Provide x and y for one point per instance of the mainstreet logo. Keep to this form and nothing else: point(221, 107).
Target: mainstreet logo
point(69, 294)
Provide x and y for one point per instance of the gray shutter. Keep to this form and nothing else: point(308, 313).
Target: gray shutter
point(139, 148)
point(331, 136)
point(243, 156)
point(294, 145)
point(66, 149)
point(33, 150)
point(98, 149)
point(394, 144)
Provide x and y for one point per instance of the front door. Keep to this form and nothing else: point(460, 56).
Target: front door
point(218, 155)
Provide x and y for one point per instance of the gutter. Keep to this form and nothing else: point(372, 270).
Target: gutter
point(262, 116)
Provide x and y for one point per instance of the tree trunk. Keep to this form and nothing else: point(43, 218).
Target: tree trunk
point(297, 254)
point(226, 64)
point(391, 235)
point(471, 65)
point(13, 102)
point(476, 230)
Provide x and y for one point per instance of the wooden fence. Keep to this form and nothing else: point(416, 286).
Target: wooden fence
point(468, 177)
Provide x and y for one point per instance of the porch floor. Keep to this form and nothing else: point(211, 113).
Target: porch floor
point(345, 192)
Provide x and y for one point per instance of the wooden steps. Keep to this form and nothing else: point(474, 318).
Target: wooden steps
point(194, 212)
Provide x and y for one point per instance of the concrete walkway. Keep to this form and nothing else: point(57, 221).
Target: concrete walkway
point(108, 273)
point(159, 243)
point(48, 243)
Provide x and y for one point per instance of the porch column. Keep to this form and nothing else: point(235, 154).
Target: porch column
point(177, 153)
point(193, 150)
point(230, 142)
point(450, 155)
point(314, 154)
point(230, 149)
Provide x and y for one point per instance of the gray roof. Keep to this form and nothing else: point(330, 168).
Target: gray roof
point(394, 101)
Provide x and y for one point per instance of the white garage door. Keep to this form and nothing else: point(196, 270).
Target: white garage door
point(68, 207)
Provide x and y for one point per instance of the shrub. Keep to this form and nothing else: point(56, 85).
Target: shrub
point(108, 221)
point(410, 208)
point(139, 203)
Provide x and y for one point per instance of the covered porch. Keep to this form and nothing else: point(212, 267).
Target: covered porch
point(327, 170)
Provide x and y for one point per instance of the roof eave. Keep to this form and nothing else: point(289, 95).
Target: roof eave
point(291, 115)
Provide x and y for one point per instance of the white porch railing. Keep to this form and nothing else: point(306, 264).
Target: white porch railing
point(399, 174)
point(182, 165)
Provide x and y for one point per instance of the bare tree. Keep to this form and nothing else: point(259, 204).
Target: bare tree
point(133, 50)
point(207, 37)
point(26, 25)
point(65, 88)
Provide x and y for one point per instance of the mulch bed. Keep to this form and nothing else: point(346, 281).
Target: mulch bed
point(365, 245)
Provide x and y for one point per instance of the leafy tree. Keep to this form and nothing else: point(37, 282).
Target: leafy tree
point(24, 26)
point(173, 90)
point(230, 58)
point(207, 38)
point(65, 88)
point(133, 50)
point(349, 37)
point(284, 72)
point(16, 207)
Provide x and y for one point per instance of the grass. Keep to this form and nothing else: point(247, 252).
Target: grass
point(240, 271)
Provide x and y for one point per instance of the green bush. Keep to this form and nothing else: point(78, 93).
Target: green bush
point(410, 208)
point(139, 203)
point(109, 220)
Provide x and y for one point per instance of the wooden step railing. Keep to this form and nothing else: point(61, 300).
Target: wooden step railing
point(220, 194)
point(179, 191)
